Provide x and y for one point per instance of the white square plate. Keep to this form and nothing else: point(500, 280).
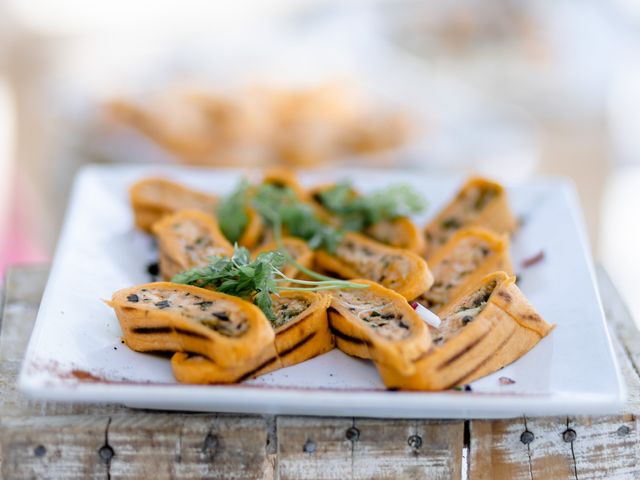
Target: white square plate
point(75, 353)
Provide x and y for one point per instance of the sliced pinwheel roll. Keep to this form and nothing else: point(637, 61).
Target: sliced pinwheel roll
point(154, 198)
point(491, 325)
point(301, 333)
point(480, 202)
point(469, 255)
point(186, 240)
point(284, 178)
point(400, 232)
point(170, 317)
point(299, 251)
point(378, 324)
point(360, 257)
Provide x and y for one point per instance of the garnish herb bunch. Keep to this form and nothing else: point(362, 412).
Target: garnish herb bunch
point(358, 212)
point(254, 280)
point(278, 204)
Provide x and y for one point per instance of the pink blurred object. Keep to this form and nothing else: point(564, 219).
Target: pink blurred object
point(18, 245)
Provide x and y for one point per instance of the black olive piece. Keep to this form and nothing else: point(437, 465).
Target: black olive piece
point(203, 305)
point(466, 319)
point(451, 223)
point(153, 269)
point(163, 304)
point(133, 298)
point(221, 316)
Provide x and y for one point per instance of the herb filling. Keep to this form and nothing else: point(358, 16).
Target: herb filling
point(377, 312)
point(385, 268)
point(287, 308)
point(465, 313)
point(221, 315)
point(464, 259)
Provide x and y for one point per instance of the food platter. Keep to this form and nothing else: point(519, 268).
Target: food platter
point(76, 352)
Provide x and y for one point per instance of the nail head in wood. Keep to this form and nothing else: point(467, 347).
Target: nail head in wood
point(527, 437)
point(569, 435)
point(106, 453)
point(309, 446)
point(210, 442)
point(624, 430)
point(353, 434)
point(40, 451)
point(415, 441)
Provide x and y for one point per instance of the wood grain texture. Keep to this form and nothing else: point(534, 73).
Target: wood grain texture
point(344, 448)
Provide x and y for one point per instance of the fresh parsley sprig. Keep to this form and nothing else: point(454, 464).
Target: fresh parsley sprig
point(358, 212)
point(254, 280)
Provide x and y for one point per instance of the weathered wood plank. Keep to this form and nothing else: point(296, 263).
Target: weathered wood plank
point(318, 448)
point(155, 445)
point(606, 447)
point(52, 447)
point(389, 449)
point(138, 445)
point(314, 448)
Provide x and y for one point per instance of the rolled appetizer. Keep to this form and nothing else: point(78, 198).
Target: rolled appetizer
point(301, 332)
point(398, 232)
point(186, 240)
point(360, 257)
point(489, 326)
point(283, 178)
point(299, 251)
point(154, 198)
point(469, 255)
point(479, 202)
point(378, 324)
point(170, 317)
point(254, 232)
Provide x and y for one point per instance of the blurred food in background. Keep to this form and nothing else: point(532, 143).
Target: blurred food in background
point(264, 125)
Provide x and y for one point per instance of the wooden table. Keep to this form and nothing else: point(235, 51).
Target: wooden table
point(65, 441)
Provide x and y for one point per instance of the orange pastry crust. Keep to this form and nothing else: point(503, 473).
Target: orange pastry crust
point(254, 232)
point(378, 324)
point(491, 325)
point(360, 257)
point(480, 202)
point(468, 256)
point(186, 240)
point(170, 317)
point(302, 333)
point(154, 198)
